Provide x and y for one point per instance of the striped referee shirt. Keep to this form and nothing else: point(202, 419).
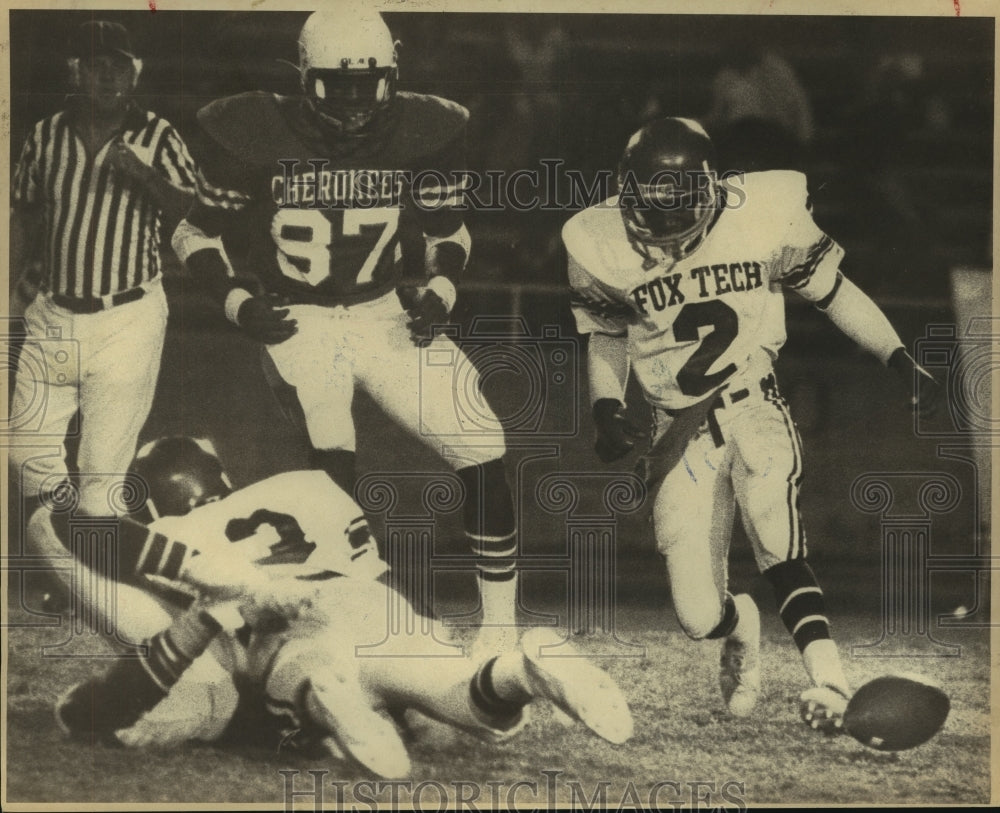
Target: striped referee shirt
point(101, 231)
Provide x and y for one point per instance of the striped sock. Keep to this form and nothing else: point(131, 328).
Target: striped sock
point(491, 530)
point(133, 686)
point(174, 649)
point(730, 618)
point(800, 601)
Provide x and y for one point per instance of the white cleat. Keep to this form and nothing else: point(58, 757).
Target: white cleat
point(822, 708)
point(739, 665)
point(337, 703)
point(575, 686)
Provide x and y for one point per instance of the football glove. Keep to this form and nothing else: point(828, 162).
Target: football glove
point(262, 318)
point(925, 392)
point(425, 308)
point(616, 435)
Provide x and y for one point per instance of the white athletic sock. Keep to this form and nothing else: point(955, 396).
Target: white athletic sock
point(748, 626)
point(822, 662)
point(499, 599)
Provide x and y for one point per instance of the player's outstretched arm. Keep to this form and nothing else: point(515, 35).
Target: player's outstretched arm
point(858, 317)
point(102, 705)
point(608, 368)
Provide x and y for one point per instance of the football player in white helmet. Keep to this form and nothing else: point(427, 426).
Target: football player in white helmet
point(331, 185)
point(293, 557)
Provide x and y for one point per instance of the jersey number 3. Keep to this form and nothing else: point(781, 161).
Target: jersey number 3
point(308, 242)
point(693, 378)
point(293, 547)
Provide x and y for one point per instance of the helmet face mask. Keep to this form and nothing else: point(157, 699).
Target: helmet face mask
point(668, 189)
point(347, 100)
point(348, 69)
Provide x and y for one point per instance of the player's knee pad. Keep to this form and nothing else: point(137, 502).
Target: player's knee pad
point(707, 622)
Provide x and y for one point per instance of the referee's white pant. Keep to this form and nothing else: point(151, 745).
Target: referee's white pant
point(105, 364)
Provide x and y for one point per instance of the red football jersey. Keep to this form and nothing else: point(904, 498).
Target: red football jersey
point(311, 218)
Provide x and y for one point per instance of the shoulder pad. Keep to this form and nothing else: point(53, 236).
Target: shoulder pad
point(248, 126)
point(782, 189)
point(594, 223)
point(428, 123)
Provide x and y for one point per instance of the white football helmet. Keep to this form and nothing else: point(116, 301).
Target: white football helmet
point(347, 65)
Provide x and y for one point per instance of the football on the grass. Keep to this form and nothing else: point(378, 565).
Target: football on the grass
point(896, 712)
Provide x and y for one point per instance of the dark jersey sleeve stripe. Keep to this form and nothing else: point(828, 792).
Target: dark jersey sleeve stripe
point(800, 275)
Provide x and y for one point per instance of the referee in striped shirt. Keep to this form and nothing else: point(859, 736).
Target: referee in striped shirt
point(92, 189)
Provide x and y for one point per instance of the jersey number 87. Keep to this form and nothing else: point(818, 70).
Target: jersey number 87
point(350, 242)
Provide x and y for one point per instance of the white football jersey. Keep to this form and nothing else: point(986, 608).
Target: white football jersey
point(716, 314)
point(298, 522)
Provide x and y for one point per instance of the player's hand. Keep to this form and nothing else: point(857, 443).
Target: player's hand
point(616, 434)
point(25, 291)
point(262, 318)
point(425, 309)
point(124, 160)
point(927, 393)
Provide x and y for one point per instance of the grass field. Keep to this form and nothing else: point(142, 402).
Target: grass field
point(682, 736)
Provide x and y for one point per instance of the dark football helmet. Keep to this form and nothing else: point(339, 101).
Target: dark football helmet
point(180, 473)
point(348, 69)
point(668, 188)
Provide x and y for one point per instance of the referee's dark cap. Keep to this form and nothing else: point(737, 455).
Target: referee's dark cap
point(101, 37)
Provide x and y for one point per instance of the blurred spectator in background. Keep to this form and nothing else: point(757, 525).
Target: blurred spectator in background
point(760, 116)
point(536, 53)
point(892, 138)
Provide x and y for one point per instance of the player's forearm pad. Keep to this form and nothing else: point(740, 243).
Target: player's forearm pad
point(608, 366)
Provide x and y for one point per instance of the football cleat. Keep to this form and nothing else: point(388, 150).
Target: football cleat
point(739, 665)
point(575, 686)
point(337, 703)
point(823, 707)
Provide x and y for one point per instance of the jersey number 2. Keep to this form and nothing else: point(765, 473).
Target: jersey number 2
point(306, 239)
point(693, 378)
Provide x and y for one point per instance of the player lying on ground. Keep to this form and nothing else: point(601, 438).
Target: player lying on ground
point(314, 597)
point(327, 190)
point(681, 278)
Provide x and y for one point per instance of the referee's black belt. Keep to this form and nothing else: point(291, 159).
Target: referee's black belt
point(97, 304)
